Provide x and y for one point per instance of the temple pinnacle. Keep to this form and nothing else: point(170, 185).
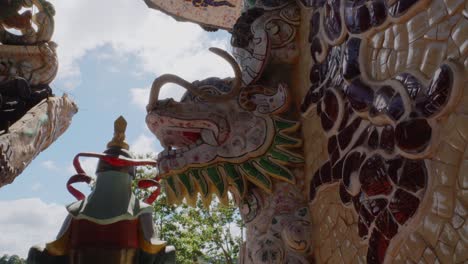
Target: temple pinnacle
point(120, 125)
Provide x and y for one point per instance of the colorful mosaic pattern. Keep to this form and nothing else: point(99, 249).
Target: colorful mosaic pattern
point(31, 118)
point(382, 107)
point(385, 135)
point(210, 13)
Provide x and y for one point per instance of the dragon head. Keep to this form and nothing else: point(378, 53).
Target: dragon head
point(222, 136)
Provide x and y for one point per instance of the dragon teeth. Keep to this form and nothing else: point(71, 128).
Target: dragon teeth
point(208, 137)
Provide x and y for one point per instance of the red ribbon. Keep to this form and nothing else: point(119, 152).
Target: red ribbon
point(117, 162)
point(80, 177)
point(148, 183)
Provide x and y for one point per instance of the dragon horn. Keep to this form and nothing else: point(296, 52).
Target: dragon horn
point(162, 80)
point(171, 78)
point(236, 86)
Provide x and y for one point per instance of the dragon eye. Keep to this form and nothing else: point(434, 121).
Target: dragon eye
point(208, 90)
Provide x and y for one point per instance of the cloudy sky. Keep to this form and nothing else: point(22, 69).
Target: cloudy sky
point(109, 54)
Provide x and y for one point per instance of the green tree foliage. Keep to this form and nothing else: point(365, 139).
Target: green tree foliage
point(200, 235)
point(14, 259)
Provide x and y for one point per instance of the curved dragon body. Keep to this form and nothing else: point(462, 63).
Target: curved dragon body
point(380, 89)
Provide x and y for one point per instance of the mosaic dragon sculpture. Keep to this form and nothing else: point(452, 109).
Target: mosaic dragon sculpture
point(31, 118)
point(379, 91)
point(223, 136)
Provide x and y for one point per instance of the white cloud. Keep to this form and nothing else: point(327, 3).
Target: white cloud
point(89, 165)
point(144, 144)
point(171, 91)
point(131, 28)
point(36, 186)
point(50, 165)
point(28, 222)
point(140, 96)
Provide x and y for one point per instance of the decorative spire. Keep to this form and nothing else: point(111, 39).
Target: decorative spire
point(118, 141)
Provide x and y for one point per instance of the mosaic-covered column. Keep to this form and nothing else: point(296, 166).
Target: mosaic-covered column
point(385, 99)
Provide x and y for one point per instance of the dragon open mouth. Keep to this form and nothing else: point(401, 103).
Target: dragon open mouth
point(216, 138)
point(180, 139)
point(185, 141)
point(193, 128)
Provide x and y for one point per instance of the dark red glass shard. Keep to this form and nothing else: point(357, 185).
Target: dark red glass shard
point(438, 92)
point(359, 94)
point(357, 201)
point(331, 105)
point(319, 108)
point(330, 111)
point(327, 123)
point(316, 181)
point(344, 195)
point(403, 205)
point(374, 177)
point(375, 206)
point(366, 216)
point(378, 245)
point(413, 135)
point(337, 171)
point(312, 193)
point(396, 108)
point(325, 173)
point(335, 156)
point(345, 136)
point(332, 144)
point(378, 13)
point(363, 230)
point(399, 7)
point(386, 224)
point(314, 25)
point(413, 176)
point(357, 17)
point(316, 76)
point(348, 111)
point(332, 19)
point(394, 166)
point(387, 138)
point(315, 48)
point(351, 164)
point(363, 137)
point(373, 141)
point(351, 59)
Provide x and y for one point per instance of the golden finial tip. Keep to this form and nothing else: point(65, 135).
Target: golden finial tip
point(120, 125)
